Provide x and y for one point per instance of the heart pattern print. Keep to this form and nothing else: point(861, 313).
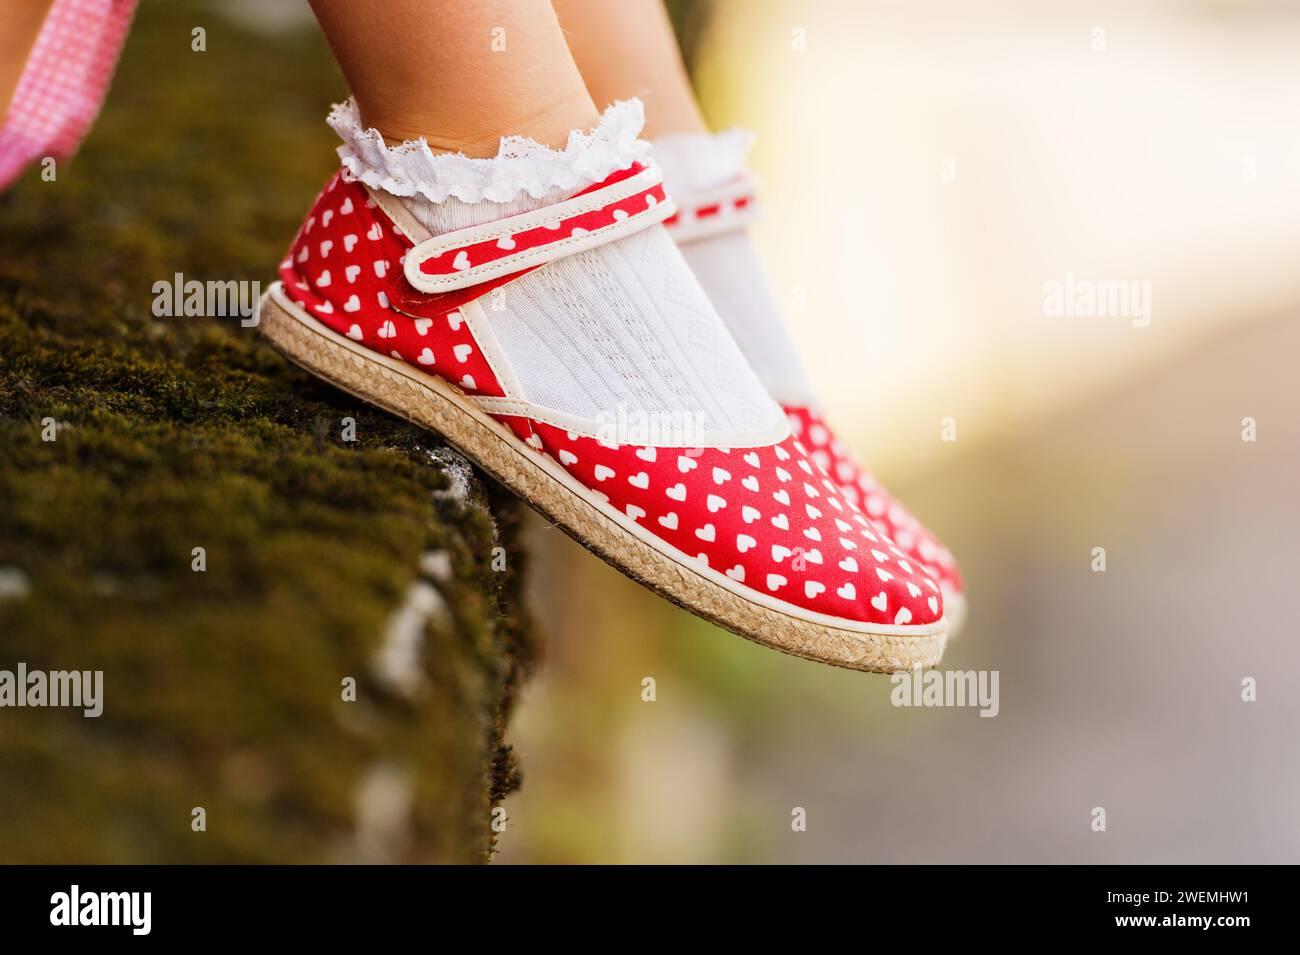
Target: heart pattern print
point(869, 497)
point(768, 520)
point(344, 268)
point(701, 215)
point(506, 240)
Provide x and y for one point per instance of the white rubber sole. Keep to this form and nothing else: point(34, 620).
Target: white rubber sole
point(441, 407)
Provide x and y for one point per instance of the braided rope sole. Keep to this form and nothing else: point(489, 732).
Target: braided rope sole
point(439, 406)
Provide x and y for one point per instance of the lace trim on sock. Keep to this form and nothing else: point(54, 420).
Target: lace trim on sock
point(521, 165)
point(695, 162)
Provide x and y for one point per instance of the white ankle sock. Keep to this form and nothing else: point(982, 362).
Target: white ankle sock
point(728, 266)
point(611, 333)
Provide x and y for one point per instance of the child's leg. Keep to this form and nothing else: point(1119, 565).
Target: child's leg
point(628, 49)
point(460, 73)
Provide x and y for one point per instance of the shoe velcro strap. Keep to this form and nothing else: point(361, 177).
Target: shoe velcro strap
point(701, 215)
point(627, 201)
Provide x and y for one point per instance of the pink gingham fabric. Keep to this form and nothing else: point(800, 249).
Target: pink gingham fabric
point(64, 82)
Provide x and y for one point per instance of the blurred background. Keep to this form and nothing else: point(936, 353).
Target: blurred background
point(958, 156)
point(927, 168)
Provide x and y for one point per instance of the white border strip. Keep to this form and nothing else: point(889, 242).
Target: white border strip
point(512, 225)
point(690, 228)
point(775, 433)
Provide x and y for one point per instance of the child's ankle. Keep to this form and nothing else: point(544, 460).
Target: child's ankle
point(548, 124)
point(520, 166)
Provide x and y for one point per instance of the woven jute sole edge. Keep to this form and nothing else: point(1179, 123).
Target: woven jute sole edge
point(434, 404)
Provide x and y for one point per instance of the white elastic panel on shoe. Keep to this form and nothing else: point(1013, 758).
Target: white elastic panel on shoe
point(522, 166)
point(729, 269)
point(623, 335)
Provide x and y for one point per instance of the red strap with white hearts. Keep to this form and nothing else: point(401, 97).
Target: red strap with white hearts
point(711, 212)
point(481, 257)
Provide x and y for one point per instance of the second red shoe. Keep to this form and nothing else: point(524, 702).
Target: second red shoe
point(716, 202)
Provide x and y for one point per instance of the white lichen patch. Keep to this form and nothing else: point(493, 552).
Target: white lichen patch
point(383, 803)
point(14, 583)
point(459, 474)
point(397, 662)
point(436, 565)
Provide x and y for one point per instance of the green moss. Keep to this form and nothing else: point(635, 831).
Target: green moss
point(222, 688)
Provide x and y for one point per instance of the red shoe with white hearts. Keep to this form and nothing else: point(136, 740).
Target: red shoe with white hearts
point(703, 215)
point(868, 496)
point(753, 537)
